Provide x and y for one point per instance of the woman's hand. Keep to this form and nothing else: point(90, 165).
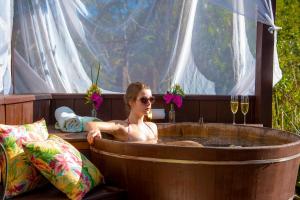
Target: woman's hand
point(92, 134)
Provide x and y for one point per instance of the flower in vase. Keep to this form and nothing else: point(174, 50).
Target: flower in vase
point(93, 94)
point(174, 96)
point(97, 100)
point(177, 99)
point(168, 97)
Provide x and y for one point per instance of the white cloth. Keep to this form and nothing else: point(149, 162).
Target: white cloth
point(158, 114)
point(6, 16)
point(199, 46)
point(68, 121)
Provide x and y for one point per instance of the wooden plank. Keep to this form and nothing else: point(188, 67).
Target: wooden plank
point(67, 95)
point(13, 114)
point(189, 112)
point(41, 110)
point(63, 102)
point(1, 99)
point(42, 96)
point(208, 110)
point(264, 75)
point(2, 114)
point(27, 112)
point(11, 99)
point(2, 110)
point(118, 109)
point(104, 112)
point(224, 114)
point(81, 145)
point(81, 108)
point(251, 118)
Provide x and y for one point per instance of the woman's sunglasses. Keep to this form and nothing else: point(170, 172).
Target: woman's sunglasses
point(144, 100)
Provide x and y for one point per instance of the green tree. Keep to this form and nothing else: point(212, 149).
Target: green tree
point(286, 94)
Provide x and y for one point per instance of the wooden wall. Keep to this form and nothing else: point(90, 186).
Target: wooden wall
point(22, 109)
point(2, 110)
point(211, 108)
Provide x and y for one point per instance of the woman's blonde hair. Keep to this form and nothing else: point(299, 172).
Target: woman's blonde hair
point(132, 92)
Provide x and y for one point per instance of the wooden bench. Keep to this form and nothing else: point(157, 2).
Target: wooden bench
point(49, 192)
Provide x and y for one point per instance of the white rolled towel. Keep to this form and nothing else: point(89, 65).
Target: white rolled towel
point(67, 120)
point(158, 114)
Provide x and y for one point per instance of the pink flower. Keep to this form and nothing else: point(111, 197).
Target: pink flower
point(76, 160)
point(177, 99)
point(168, 98)
point(65, 148)
point(173, 98)
point(97, 100)
point(62, 163)
point(78, 172)
point(4, 133)
point(21, 140)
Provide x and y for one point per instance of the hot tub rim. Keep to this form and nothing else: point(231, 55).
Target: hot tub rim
point(285, 145)
point(205, 147)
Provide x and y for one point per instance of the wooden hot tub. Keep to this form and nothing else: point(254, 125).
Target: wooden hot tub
point(237, 162)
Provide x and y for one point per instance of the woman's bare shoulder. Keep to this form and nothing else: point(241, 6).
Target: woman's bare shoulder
point(152, 125)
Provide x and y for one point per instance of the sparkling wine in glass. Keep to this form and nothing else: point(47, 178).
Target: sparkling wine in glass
point(234, 105)
point(244, 106)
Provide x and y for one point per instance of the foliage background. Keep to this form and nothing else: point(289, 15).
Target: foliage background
point(286, 94)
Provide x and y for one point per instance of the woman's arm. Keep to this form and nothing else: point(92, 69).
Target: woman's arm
point(107, 127)
point(115, 128)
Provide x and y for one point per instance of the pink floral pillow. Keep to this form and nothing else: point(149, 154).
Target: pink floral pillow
point(22, 175)
point(64, 166)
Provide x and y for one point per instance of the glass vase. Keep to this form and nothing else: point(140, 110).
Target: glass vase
point(94, 112)
point(172, 114)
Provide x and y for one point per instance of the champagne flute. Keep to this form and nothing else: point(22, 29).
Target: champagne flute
point(234, 105)
point(244, 106)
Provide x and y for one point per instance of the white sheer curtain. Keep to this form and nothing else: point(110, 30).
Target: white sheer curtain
point(258, 10)
point(45, 50)
point(243, 59)
point(6, 16)
point(215, 57)
point(207, 46)
point(187, 72)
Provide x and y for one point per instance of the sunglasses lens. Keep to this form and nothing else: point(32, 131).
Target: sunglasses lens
point(145, 100)
point(151, 100)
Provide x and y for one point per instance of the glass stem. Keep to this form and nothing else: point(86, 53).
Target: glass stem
point(244, 119)
point(233, 119)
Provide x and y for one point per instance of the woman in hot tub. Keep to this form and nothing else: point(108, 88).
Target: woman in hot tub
point(139, 99)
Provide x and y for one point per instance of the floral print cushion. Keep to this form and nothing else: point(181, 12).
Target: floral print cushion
point(22, 175)
point(64, 166)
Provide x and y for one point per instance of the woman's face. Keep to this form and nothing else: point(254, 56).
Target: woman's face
point(142, 104)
